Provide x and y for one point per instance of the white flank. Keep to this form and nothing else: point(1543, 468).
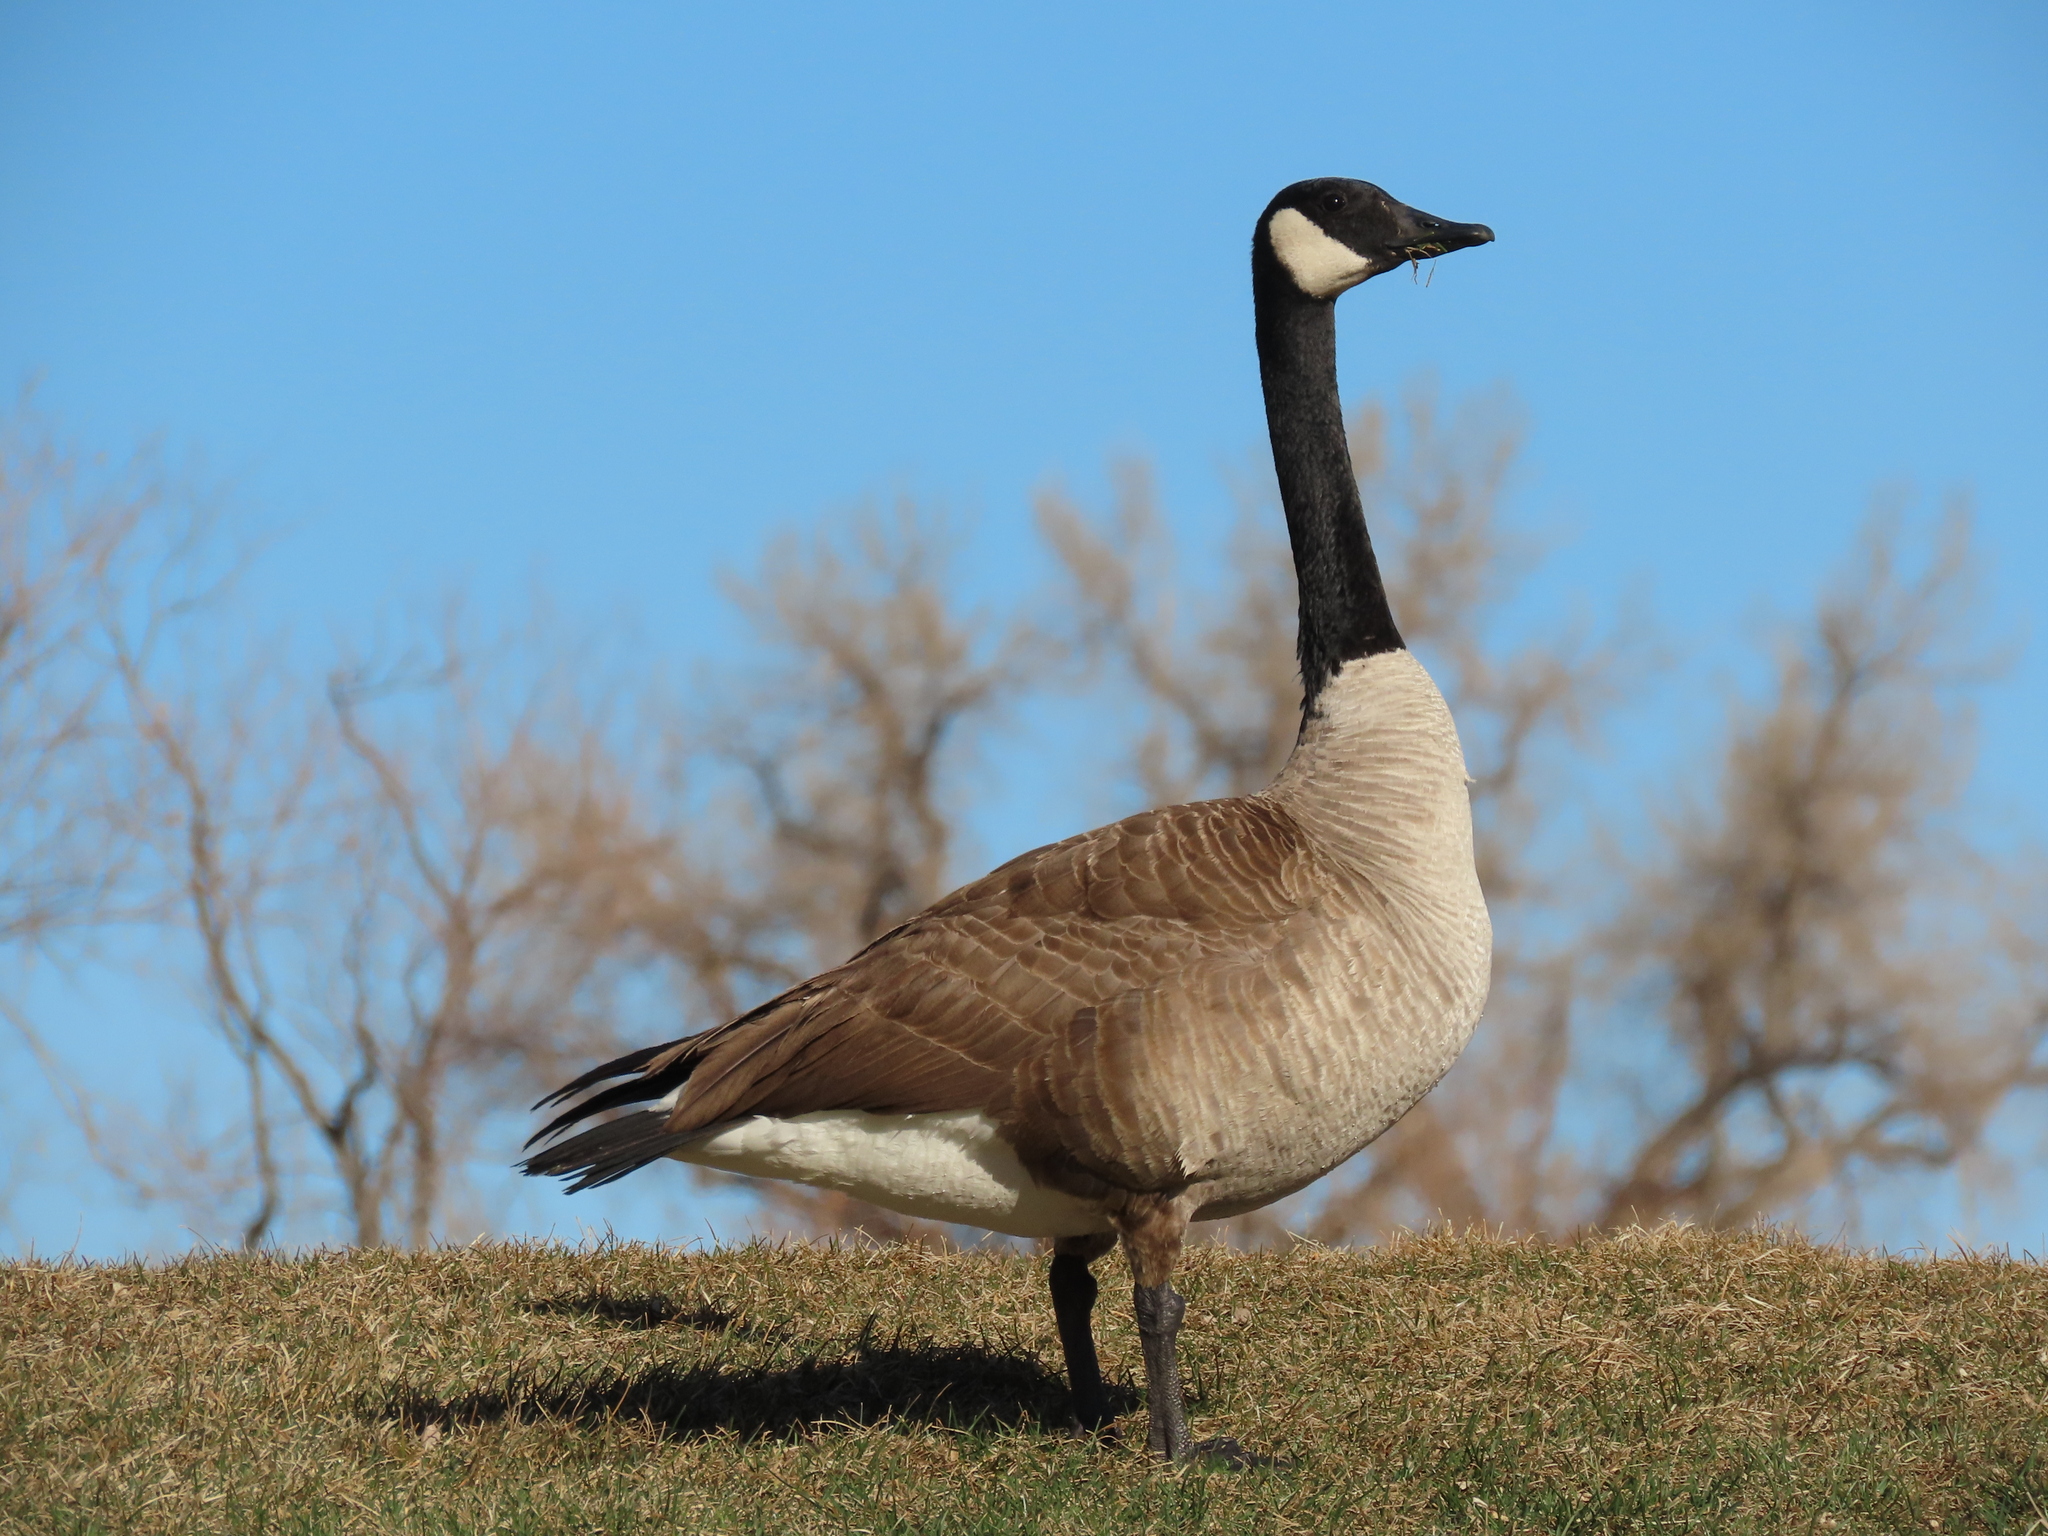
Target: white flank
point(1322, 267)
point(943, 1167)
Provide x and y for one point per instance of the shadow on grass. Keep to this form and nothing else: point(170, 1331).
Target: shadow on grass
point(959, 1385)
point(652, 1310)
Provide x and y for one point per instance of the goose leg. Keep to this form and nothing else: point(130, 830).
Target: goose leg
point(1160, 1309)
point(1073, 1305)
point(1153, 1229)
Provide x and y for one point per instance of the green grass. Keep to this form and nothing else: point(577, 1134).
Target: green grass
point(1668, 1381)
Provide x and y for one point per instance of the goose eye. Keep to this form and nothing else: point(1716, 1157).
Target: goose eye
point(1333, 201)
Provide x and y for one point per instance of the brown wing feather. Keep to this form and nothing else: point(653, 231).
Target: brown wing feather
point(1030, 994)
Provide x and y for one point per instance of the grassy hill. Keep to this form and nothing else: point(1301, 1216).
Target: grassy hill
point(1669, 1381)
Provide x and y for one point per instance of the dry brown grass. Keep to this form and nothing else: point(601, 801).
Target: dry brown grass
point(1655, 1381)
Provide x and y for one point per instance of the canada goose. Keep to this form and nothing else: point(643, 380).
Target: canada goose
point(1185, 1015)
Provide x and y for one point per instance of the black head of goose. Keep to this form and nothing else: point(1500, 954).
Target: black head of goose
point(1185, 1015)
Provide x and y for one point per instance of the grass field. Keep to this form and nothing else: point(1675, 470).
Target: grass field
point(1668, 1381)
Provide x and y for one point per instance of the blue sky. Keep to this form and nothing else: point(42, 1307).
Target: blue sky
point(466, 294)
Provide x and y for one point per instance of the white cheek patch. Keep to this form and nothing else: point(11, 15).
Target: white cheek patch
point(1322, 267)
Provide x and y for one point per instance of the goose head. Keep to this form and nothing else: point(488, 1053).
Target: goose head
point(1333, 233)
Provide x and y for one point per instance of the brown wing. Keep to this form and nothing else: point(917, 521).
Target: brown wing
point(1016, 995)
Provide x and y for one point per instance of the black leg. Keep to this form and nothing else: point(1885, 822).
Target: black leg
point(1153, 1228)
point(1160, 1309)
point(1073, 1306)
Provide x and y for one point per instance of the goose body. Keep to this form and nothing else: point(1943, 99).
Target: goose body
point(1187, 1014)
point(1233, 996)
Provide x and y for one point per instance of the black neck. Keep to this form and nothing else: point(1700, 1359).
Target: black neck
point(1344, 612)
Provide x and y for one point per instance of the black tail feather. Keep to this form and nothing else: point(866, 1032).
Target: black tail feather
point(634, 1091)
point(609, 1151)
point(632, 1061)
point(613, 1150)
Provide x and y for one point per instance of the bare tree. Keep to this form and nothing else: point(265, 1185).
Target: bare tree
point(413, 891)
point(854, 739)
point(76, 538)
point(390, 884)
point(1222, 692)
point(1815, 941)
point(404, 889)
